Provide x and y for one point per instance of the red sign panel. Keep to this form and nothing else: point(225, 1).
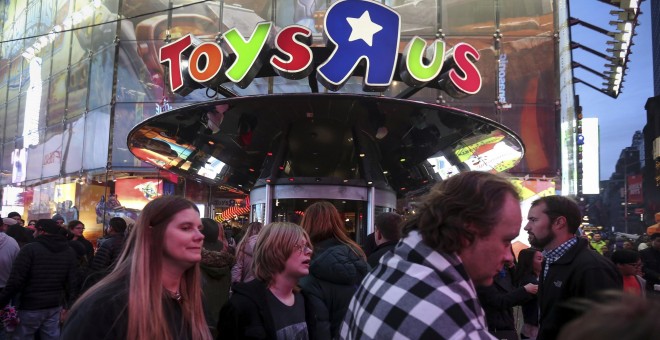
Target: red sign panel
point(635, 189)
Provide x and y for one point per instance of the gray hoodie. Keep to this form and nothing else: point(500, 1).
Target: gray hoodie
point(8, 251)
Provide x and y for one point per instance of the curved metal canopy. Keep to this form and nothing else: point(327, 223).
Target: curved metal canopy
point(239, 143)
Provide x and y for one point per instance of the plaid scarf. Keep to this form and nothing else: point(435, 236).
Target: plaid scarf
point(415, 293)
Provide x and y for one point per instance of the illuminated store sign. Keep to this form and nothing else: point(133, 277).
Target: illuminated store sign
point(501, 79)
point(357, 31)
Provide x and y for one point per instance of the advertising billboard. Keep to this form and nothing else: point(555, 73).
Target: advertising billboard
point(590, 157)
point(635, 195)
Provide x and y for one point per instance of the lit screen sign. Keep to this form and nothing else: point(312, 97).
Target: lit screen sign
point(443, 167)
point(590, 157)
point(212, 168)
point(357, 31)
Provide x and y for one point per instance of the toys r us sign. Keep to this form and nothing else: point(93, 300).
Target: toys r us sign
point(357, 32)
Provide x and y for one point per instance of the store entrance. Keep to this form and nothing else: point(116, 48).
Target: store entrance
point(356, 205)
point(352, 212)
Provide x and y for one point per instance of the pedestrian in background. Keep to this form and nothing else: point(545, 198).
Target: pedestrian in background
point(651, 265)
point(528, 270)
point(242, 270)
point(337, 268)
point(43, 281)
point(215, 267)
point(387, 233)
point(15, 230)
point(76, 229)
point(498, 301)
point(630, 266)
point(108, 252)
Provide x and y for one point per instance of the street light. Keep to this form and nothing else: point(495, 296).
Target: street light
point(626, 5)
point(625, 22)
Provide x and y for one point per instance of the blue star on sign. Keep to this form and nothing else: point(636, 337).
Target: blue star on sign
point(361, 31)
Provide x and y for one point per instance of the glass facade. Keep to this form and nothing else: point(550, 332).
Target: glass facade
point(77, 75)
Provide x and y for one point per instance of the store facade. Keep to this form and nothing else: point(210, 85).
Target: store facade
point(91, 72)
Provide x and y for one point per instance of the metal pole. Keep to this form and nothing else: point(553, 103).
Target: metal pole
point(268, 209)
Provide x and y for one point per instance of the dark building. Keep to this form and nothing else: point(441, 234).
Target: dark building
point(622, 194)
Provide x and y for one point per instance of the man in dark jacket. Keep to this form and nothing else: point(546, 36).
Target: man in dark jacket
point(21, 234)
point(108, 253)
point(43, 272)
point(570, 268)
point(387, 234)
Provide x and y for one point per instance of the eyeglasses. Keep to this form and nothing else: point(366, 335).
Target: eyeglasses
point(303, 248)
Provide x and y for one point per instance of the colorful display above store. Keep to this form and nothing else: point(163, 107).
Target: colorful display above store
point(362, 39)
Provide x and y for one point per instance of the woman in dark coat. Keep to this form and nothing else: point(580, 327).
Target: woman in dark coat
point(337, 268)
point(216, 273)
point(76, 229)
point(498, 301)
point(527, 272)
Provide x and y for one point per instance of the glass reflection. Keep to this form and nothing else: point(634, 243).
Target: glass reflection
point(77, 88)
point(97, 132)
point(327, 138)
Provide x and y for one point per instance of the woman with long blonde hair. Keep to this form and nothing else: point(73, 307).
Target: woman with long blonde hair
point(337, 267)
point(154, 291)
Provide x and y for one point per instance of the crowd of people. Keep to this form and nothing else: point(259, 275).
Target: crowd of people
point(446, 272)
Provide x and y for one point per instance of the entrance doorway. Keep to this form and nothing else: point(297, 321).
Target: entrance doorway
point(356, 205)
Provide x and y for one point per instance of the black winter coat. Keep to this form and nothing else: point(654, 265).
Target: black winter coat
point(530, 309)
point(335, 273)
point(104, 260)
point(89, 248)
point(580, 273)
point(104, 316)
point(498, 301)
point(107, 254)
point(247, 316)
point(43, 271)
point(651, 267)
point(216, 281)
point(22, 235)
point(379, 251)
